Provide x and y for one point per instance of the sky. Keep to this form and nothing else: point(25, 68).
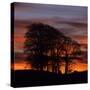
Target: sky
point(70, 20)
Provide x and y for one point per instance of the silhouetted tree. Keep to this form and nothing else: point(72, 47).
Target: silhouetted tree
point(41, 39)
point(44, 43)
point(54, 47)
point(70, 50)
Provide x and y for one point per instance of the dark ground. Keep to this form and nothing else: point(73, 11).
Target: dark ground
point(23, 78)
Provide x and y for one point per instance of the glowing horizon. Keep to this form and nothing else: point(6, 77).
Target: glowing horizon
point(78, 66)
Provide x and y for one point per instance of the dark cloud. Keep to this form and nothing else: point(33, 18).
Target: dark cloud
point(30, 11)
point(70, 20)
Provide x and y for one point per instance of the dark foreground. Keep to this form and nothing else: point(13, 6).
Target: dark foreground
point(23, 78)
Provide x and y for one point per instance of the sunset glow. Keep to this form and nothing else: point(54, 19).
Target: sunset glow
point(79, 67)
point(20, 66)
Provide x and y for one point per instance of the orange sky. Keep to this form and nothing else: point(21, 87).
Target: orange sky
point(19, 44)
point(74, 67)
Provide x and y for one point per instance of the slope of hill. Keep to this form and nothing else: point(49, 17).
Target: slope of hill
point(22, 78)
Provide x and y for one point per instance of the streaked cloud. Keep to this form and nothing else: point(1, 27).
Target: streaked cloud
point(70, 20)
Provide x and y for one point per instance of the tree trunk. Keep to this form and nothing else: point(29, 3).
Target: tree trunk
point(66, 66)
point(41, 68)
point(47, 68)
point(57, 67)
point(52, 66)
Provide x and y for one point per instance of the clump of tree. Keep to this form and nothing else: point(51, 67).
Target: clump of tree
point(70, 50)
point(44, 43)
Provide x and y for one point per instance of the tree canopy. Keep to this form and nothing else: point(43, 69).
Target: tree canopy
point(44, 43)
